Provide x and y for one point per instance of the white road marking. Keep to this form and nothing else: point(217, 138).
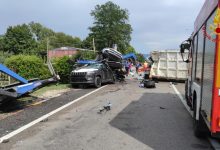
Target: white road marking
point(182, 100)
point(13, 133)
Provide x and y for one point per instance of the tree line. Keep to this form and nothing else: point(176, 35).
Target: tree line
point(110, 26)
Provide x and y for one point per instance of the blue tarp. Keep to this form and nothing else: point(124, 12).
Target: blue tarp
point(130, 55)
point(86, 61)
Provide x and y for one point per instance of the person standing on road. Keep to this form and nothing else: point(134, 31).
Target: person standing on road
point(138, 65)
point(145, 65)
point(128, 66)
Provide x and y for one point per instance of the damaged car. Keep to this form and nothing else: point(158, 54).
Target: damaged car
point(92, 74)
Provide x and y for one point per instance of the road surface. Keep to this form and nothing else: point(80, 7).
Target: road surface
point(140, 119)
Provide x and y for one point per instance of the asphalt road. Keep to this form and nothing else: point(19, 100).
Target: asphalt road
point(140, 119)
point(25, 115)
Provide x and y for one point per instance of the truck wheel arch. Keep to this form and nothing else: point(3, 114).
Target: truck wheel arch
point(199, 126)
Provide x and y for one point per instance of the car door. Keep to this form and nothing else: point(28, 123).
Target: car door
point(109, 73)
point(104, 71)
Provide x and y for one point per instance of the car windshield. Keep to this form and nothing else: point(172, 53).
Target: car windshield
point(94, 66)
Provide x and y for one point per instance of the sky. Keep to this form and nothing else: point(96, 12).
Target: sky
point(157, 24)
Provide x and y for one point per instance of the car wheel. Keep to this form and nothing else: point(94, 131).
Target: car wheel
point(98, 82)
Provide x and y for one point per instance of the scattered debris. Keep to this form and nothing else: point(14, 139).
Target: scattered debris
point(44, 120)
point(147, 83)
point(141, 85)
point(174, 83)
point(162, 107)
point(4, 140)
point(105, 107)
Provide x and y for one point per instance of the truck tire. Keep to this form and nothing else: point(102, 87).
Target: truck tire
point(98, 82)
point(199, 126)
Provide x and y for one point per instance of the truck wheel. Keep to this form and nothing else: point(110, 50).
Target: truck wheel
point(98, 82)
point(199, 126)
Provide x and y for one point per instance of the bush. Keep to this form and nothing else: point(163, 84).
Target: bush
point(3, 56)
point(28, 66)
point(63, 68)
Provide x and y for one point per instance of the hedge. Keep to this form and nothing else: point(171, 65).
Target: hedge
point(62, 67)
point(28, 66)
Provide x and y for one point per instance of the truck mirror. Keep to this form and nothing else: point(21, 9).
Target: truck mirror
point(184, 46)
point(182, 49)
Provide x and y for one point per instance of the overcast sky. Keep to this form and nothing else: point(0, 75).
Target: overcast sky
point(157, 24)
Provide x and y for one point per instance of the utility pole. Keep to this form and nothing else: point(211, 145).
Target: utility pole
point(93, 43)
point(47, 49)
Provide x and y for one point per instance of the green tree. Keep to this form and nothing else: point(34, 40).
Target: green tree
point(40, 32)
point(1, 43)
point(130, 49)
point(42, 35)
point(62, 40)
point(84, 55)
point(110, 26)
point(19, 39)
point(140, 57)
point(87, 43)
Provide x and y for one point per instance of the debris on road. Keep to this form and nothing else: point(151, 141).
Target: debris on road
point(44, 120)
point(105, 107)
point(4, 141)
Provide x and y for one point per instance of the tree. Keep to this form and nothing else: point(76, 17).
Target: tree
point(87, 43)
point(32, 38)
point(110, 26)
point(40, 32)
point(130, 49)
point(42, 35)
point(84, 55)
point(62, 40)
point(140, 57)
point(1, 43)
point(19, 39)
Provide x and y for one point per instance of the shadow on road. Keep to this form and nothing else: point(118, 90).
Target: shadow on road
point(11, 105)
point(160, 121)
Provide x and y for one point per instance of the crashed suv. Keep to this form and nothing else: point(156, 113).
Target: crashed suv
point(92, 74)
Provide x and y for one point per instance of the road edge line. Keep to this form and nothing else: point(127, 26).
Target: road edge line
point(181, 98)
point(19, 130)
